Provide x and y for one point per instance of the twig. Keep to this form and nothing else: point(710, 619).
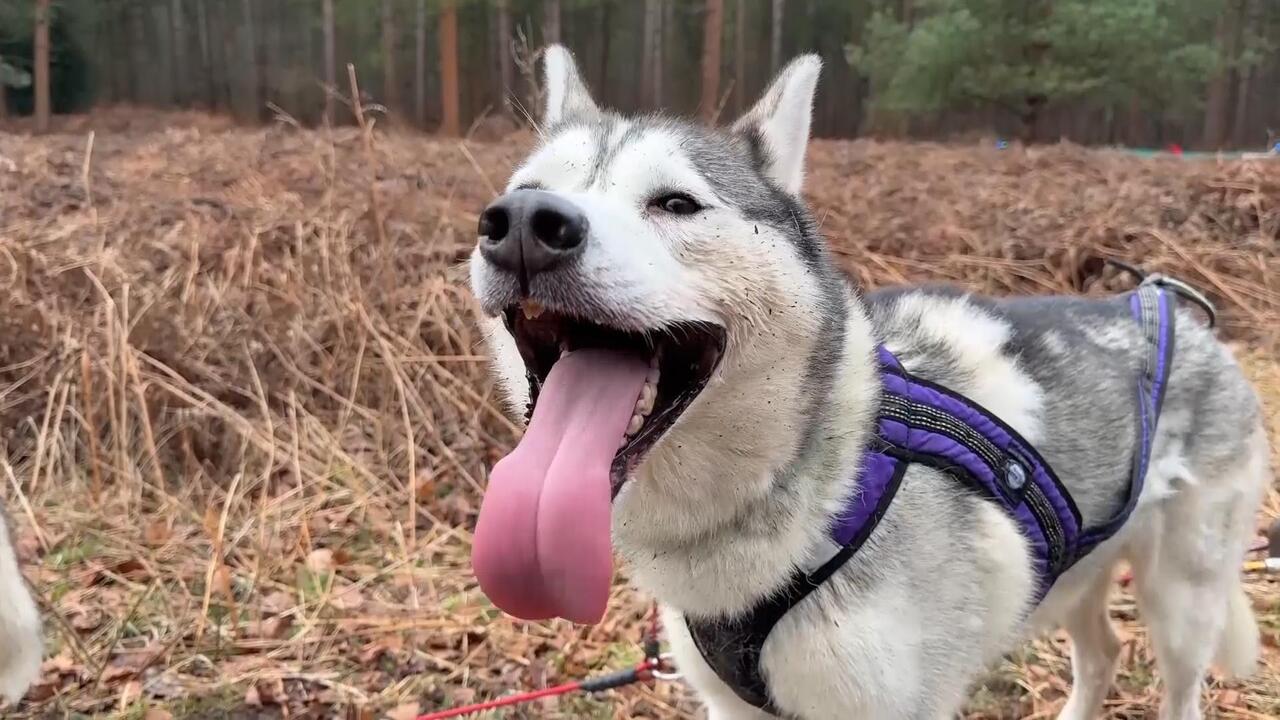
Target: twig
point(366, 133)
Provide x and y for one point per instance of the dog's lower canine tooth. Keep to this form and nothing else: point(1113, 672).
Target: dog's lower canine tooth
point(633, 427)
point(532, 309)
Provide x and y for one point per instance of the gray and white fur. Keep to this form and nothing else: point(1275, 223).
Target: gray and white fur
point(739, 492)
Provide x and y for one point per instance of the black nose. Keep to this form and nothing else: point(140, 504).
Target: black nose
point(527, 232)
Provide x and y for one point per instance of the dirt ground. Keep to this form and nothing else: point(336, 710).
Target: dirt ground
point(245, 420)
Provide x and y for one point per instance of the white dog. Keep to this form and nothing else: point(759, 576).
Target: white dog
point(20, 634)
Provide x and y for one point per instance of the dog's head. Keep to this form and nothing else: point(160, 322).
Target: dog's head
point(651, 286)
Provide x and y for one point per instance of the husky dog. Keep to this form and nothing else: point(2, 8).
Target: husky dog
point(702, 382)
point(20, 641)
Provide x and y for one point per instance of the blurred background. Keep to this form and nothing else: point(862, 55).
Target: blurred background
point(1145, 73)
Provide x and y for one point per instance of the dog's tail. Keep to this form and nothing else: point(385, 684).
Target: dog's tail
point(1240, 646)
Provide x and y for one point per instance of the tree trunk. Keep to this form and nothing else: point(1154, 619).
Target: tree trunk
point(4, 103)
point(41, 75)
point(330, 61)
point(140, 69)
point(253, 75)
point(506, 63)
point(740, 57)
point(420, 64)
point(1215, 109)
point(160, 55)
point(178, 45)
point(451, 124)
point(775, 36)
point(206, 56)
point(550, 21)
point(1249, 19)
point(713, 25)
point(389, 55)
point(1244, 85)
point(651, 55)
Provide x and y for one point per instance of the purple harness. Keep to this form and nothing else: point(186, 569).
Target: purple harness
point(920, 422)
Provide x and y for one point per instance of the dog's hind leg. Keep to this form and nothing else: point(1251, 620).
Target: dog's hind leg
point(1187, 572)
point(1094, 650)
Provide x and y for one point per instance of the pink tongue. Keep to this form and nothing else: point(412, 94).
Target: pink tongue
point(542, 544)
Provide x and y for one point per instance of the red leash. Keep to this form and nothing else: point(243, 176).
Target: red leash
point(655, 666)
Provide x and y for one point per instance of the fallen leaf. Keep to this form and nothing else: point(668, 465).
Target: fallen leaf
point(1230, 698)
point(273, 628)
point(156, 713)
point(62, 663)
point(212, 518)
point(85, 618)
point(425, 488)
point(277, 603)
point(117, 672)
point(222, 582)
point(407, 711)
point(130, 693)
point(41, 691)
point(320, 561)
point(272, 691)
point(157, 533)
point(346, 598)
point(463, 696)
point(27, 546)
point(251, 697)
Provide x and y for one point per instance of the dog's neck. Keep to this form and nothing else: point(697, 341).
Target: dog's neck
point(744, 495)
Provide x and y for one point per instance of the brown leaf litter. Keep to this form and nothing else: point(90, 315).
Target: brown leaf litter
point(245, 433)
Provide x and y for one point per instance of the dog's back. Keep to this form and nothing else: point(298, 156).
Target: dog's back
point(1063, 371)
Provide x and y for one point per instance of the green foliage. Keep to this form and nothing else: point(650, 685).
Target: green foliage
point(1025, 54)
point(14, 77)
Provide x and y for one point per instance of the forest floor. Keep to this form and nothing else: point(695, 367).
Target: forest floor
point(245, 418)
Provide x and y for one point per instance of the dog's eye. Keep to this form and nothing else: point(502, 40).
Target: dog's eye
point(676, 204)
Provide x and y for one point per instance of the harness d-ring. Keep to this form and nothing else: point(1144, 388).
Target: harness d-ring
point(1178, 286)
point(1187, 292)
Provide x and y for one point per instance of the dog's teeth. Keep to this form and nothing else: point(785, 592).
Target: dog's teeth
point(633, 427)
point(645, 404)
point(563, 351)
point(532, 309)
point(652, 377)
point(623, 442)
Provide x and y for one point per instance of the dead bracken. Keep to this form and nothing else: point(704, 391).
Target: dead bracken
point(244, 431)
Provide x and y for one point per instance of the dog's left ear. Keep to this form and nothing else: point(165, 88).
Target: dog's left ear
point(779, 122)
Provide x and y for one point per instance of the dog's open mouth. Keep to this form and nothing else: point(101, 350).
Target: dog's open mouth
point(601, 397)
point(679, 361)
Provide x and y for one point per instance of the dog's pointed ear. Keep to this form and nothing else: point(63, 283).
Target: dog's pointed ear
point(567, 94)
point(779, 122)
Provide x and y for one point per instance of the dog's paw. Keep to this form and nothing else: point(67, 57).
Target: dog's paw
point(21, 642)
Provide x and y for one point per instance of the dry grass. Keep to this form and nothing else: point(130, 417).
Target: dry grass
point(245, 420)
